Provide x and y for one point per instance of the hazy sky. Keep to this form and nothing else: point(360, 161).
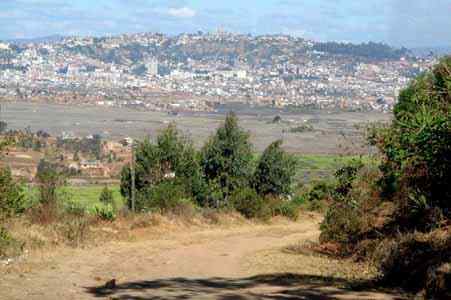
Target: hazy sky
point(399, 22)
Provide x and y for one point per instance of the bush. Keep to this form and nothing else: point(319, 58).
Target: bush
point(345, 177)
point(106, 197)
point(288, 209)
point(12, 200)
point(105, 213)
point(406, 260)
point(49, 178)
point(248, 203)
point(342, 224)
point(164, 197)
point(171, 157)
point(320, 190)
point(275, 171)
point(416, 147)
point(74, 208)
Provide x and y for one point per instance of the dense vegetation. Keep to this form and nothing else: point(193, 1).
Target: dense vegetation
point(371, 50)
point(224, 174)
point(397, 210)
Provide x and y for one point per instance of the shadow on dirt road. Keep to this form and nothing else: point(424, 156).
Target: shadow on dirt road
point(272, 286)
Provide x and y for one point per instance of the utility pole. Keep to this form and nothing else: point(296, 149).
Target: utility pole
point(132, 171)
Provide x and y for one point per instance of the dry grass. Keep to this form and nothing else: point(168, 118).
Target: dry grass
point(86, 231)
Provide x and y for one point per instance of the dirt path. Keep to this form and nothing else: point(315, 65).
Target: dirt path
point(211, 264)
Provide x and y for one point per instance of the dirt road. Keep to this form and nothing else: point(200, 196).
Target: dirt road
point(239, 263)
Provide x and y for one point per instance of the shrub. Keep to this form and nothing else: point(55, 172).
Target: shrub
point(106, 197)
point(416, 147)
point(405, 260)
point(164, 197)
point(247, 202)
point(275, 171)
point(171, 157)
point(74, 208)
point(346, 175)
point(49, 178)
point(288, 209)
point(12, 200)
point(342, 224)
point(320, 190)
point(105, 213)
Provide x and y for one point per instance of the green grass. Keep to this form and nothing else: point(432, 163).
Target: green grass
point(312, 167)
point(84, 196)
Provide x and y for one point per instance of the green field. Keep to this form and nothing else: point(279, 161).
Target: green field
point(85, 196)
point(310, 167)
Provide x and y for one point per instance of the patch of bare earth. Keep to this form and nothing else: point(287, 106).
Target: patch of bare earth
point(222, 262)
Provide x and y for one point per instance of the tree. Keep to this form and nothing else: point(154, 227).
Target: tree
point(172, 157)
point(106, 197)
point(49, 178)
point(12, 200)
point(226, 158)
point(275, 171)
point(416, 147)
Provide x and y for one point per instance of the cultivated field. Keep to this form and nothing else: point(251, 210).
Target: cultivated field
point(333, 133)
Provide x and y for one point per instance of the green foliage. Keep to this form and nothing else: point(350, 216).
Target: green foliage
point(346, 175)
point(92, 146)
point(12, 200)
point(163, 197)
point(320, 190)
point(105, 213)
point(417, 145)
point(171, 157)
point(49, 177)
point(275, 171)
point(342, 224)
point(247, 202)
point(226, 159)
point(371, 50)
point(288, 209)
point(74, 208)
point(106, 197)
point(396, 208)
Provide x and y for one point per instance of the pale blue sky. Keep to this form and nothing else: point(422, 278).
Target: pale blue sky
point(398, 22)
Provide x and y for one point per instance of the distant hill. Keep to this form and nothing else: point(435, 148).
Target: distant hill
point(228, 50)
point(45, 39)
point(425, 51)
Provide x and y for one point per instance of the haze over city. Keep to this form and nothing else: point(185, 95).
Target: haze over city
point(416, 23)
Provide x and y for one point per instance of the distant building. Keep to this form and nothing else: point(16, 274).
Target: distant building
point(152, 67)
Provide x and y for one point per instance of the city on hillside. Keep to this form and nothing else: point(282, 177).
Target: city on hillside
point(197, 72)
